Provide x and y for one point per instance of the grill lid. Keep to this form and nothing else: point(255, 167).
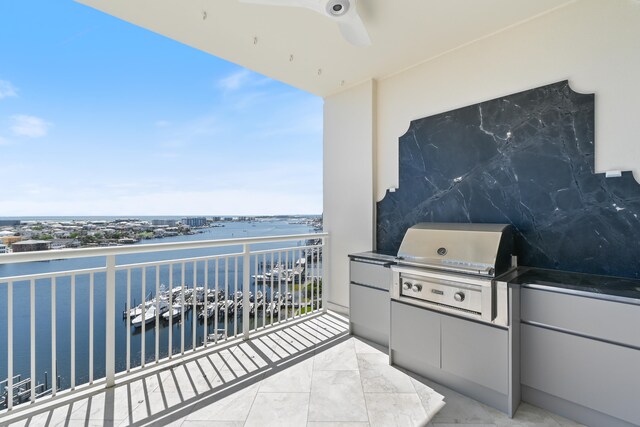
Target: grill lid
point(481, 249)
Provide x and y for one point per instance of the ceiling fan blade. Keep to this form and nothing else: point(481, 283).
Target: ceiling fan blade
point(354, 31)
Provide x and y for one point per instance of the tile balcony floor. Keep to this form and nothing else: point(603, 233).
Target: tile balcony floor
point(308, 373)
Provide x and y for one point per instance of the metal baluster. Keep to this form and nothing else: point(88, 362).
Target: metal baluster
point(314, 262)
point(54, 361)
point(32, 297)
point(206, 302)
point(182, 309)
point(110, 319)
point(215, 325)
point(10, 345)
point(128, 320)
point(264, 291)
point(157, 326)
point(303, 281)
point(171, 310)
point(144, 317)
point(325, 273)
point(318, 278)
point(280, 276)
point(91, 281)
point(246, 288)
point(73, 332)
point(271, 292)
point(195, 306)
point(286, 285)
point(255, 293)
point(226, 295)
point(235, 297)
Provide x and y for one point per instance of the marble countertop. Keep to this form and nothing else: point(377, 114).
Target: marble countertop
point(385, 257)
point(603, 287)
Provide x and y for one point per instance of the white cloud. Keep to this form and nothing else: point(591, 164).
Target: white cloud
point(29, 126)
point(7, 89)
point(235, 81)
point(162, 123)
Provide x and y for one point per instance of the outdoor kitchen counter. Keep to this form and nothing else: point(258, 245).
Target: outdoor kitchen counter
point(609, 288)
point(580, 345)
point(385, 257)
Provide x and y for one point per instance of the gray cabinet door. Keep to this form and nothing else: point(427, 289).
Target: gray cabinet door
point(601, 376)
point(369, 313)
point(476, 352)
point(416, 333)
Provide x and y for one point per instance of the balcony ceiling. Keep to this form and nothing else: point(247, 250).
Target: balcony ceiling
point(306, 50)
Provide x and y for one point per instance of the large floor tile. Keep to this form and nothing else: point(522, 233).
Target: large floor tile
point(212, 424)
point(340, 357)
point(460, 425)
point(379, 377)
point(395, 409)
point(307, 335)
point(226, 406)
point(279, 410)
point(51, 417)
point(337, 396)
point(431, 400)
point(282, 349)
point(113, 405)
point(295, 378)
point(336, 424)
point(462, 410)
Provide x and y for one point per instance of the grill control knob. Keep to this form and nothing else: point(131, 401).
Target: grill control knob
point(416, 288)
point(406, 286)
point(458, 296)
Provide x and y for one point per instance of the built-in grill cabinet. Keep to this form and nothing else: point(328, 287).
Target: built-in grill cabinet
point(451, 310)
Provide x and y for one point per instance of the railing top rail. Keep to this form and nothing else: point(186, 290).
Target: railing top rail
point(155, 247)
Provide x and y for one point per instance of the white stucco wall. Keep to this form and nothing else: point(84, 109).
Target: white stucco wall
point(348, 183)
point(595, 44)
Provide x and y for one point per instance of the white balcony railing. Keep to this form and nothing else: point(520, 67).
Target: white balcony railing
point(193, 295)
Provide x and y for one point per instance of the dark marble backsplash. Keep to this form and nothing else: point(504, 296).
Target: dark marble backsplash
point(526, 159)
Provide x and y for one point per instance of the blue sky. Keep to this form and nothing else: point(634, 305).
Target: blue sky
point(99, 117)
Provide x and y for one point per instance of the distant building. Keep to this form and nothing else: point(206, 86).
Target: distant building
point(196, 221)
point(31, 246)
point(9, 240)
point(9, 222)
point(65, 243)
point(3, 249)
point(167, 222)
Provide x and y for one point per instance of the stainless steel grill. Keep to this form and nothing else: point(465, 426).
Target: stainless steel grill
point(451, 268)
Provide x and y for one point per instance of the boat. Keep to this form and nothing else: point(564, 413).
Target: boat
point(218, 335)
point(281, 274)
point(209, 311)
point(175, 312)
point(150, 314)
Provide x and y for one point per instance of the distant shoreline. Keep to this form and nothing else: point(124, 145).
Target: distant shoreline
point(142, 217)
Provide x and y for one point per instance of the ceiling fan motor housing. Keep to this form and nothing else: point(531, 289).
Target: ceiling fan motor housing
point(338, 7)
